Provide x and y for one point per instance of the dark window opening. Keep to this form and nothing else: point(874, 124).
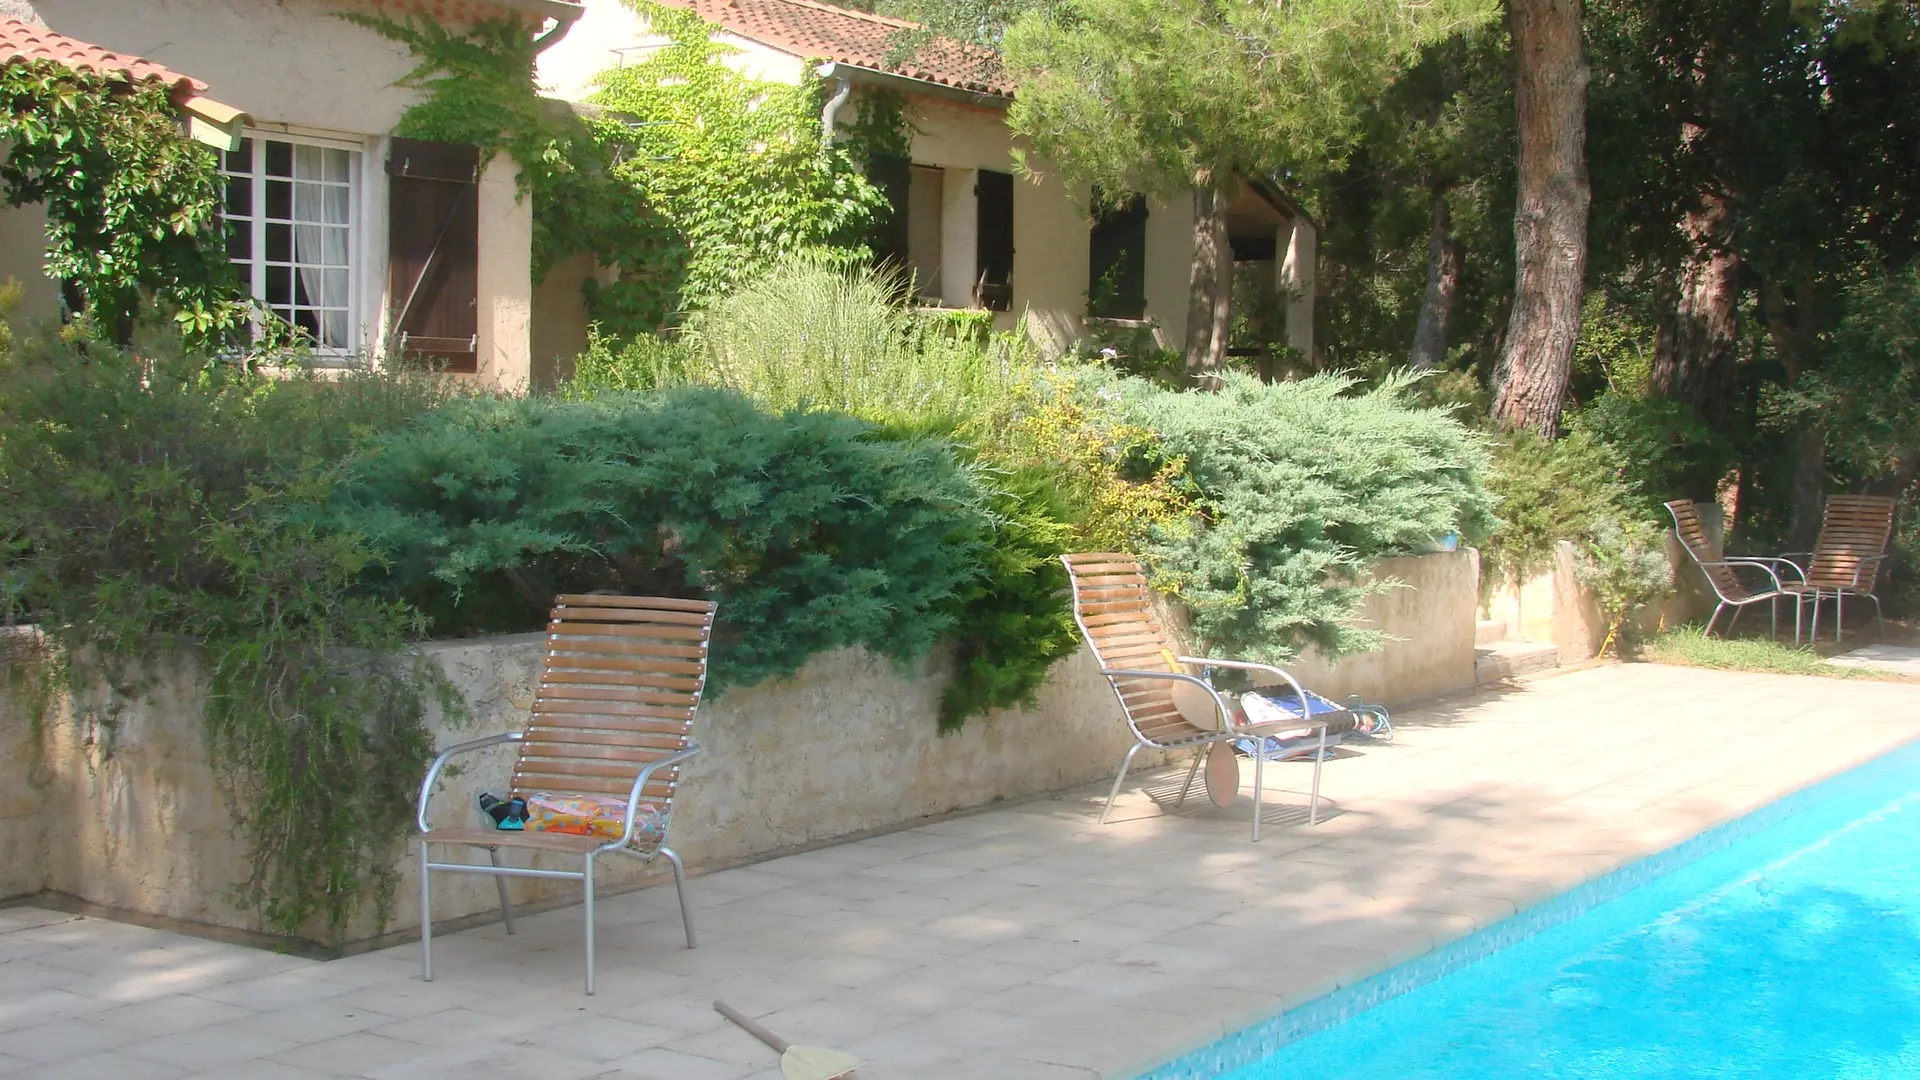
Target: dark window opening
point(994, 194)
point(1117, 259)
point(893, 176)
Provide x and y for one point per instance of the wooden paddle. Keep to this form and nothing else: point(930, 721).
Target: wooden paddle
point(796, 1062)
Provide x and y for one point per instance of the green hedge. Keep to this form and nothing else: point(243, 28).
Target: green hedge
point(811, 532)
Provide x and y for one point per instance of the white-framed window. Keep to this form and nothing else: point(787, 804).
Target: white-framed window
point(291, 211)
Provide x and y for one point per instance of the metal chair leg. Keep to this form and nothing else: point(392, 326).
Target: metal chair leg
point(1188, 786)
point(1313, 803)
point(1839, 614)
point(1813, 629)
point(1711, 619)
point(426, 917)
point(1125, 763)
point(680, 887)
point(587, 889)
point(1735, 621)
point(500, 885)
point(1259, 781)
point(1773, 627)
point(1879, 616)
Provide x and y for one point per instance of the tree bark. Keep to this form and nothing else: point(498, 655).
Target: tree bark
point(1443, 285)
point(1695, 357)
point(1210, 295)
point(1550, 217)
point(1790, 331)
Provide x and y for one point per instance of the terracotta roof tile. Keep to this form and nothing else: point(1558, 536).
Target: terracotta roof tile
point(821, 31)
point(21, 41)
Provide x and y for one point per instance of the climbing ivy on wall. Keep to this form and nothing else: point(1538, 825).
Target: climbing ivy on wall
point(478, 87)
point(688, 177)
point(132, 204)
point(736, 166)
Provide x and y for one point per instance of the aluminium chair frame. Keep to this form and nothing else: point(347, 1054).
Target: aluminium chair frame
point(615, 701)
point(1204, 741)
point(1838, 592)
point(1739, 604)
point(584, 875)
point(1849, 525)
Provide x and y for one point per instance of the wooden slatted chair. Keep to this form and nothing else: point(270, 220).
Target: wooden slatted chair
point(1846, 558)
point(620, 679)
point(1728, 589)
point(1114, 610)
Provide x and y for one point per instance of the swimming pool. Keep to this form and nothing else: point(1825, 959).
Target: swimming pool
point(1782, 946)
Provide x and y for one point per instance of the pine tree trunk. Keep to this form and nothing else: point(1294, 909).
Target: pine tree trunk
point(1790, 331)
point(1696, 348)
point(1550, 218)
point(1443, 285)
point(1211, 282)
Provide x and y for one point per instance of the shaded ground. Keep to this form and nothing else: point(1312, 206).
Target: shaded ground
point(1026, 942)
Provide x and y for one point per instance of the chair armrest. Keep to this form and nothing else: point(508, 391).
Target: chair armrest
point(1799, 560)
point(1299, 692)
point(1220, 703)
point(433, 771)
point(1871, 560)
point(640, 783)
point(1761, 564)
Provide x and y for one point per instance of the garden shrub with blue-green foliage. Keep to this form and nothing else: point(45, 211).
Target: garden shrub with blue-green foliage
point(809, 531)
point(1304, 486)
point(821, 333)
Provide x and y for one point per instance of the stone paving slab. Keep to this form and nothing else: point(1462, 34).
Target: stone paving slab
point(1024, 943)
point(1898, 659)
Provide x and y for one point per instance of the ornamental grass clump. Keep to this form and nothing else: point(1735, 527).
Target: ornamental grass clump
point(816, 332)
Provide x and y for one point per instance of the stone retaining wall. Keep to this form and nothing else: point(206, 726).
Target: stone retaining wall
point(133, 818)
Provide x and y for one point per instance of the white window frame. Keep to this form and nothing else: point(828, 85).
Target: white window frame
point(359, 252)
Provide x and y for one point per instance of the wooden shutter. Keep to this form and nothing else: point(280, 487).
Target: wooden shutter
point(433, 251)
point(994, 193)
point(894, 177)
point(1117, 260)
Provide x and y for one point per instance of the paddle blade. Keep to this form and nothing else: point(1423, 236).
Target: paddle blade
point(816, 1063)
point(1223, 774)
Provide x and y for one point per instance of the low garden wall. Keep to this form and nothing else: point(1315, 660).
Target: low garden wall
point(132, 817)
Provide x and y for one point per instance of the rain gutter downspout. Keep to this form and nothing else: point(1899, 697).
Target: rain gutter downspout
point(563, 21)
point(842, 90)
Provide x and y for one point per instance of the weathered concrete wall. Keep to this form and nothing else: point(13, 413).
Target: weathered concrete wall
point(133, 817)
point(23, 258)
point(294, 62)
point(1554, 605)
point(1431, 617)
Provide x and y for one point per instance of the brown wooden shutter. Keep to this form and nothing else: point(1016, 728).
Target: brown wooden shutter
point(433, 251)
point(994, 193)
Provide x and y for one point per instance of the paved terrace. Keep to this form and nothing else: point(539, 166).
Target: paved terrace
point(1025, 943)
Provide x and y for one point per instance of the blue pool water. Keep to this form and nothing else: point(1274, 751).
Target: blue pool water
point(1785, 946)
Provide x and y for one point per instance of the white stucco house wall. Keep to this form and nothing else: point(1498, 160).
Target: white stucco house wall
point(975, 230)
point(327, 210)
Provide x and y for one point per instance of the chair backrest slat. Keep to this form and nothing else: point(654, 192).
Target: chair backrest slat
point(1691, 528)
point(620, 680)
point(1854, 528)
point(1114, 608)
